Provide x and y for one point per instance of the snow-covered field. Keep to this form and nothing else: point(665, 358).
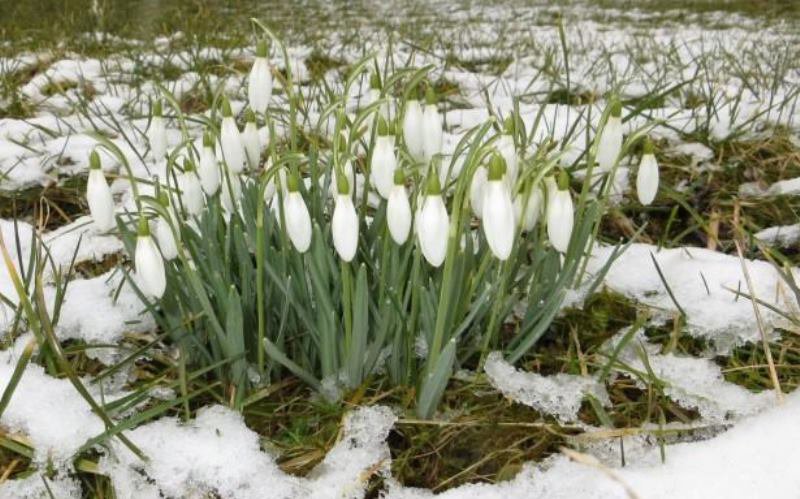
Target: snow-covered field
point(745, 72)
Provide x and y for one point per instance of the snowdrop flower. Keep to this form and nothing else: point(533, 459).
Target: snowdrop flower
point(98, 195)
point(148, 262)
point(647, 176)
point(505, 146)
point(230, 140)
point(298, 220)
point(398, 209)
point(350, 175)
point(610, 144)
point(384, 161)
point(157, 133)
point(476, 190)
point(209, 168)
point(164, 234)
point(528, 210)
point(433, 223)
point(344, 222)
point(259, 83)
point(250, 140)
point(412, 129)
point(498, 211)
point(231, 192)
point(560, 216)
point(191, 190)
point(431, 127)
point(270, 189)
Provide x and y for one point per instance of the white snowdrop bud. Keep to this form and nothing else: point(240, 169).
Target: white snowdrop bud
point(476, 190)
point(209, 168)
point(251, 141)
point(528, 210)
point(157, 133)
point(560, 216)
point(507, 149)
point(259, 83)
point(431, 128)
point(164, 234)
point(295, 211)
point(647, 176)
point(498, 211)
point(191, 190)
point(412, 129)
point(98, 195)
point(149, 264)
point(433, 223)
point(344, 222)
point(610, 145)
point(350, 175)
point(270, 189)
point(231, 192)
point(384, 161)
point(231, 141)
point(398, 210)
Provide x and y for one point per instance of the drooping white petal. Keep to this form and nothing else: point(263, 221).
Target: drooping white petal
point(252, 144)
point(507, 149)
point(398, 214)
point(344, 227)
point(498, 218)
point(166, 239)
point(191, 192)
point(384, 163)
point(412, 130)
point(208, 171)
point(101, 203)
point(432, 224)
point(647, 179)
point(476, 190)
point(259, 85)
point(610, 144)
point(231, 192)
point(149, 267)
point(351, 179)
point(431, 132)
point(298, 221)
point(157, 136)
point(528, 213)
point(560, 217)
point(232, 147)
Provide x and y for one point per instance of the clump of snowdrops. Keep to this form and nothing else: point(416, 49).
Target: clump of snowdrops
point(357, 244)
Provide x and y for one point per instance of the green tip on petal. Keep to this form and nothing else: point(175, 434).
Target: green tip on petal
point(250, 116)
point(226, 108)
point(508, 125)
point(293, 182)
point(261, 48)
point(342, 185)
point(648, 147)
point(188, 165)
point(430, 96)
point(163, 199)
point(433, 188)
point(383, 127)
point(563, 180)
point(497, 167)
point(616, 108)
point(157, 110)
point(143, 229)
point(208, 140)
point(94, 160)
point(375, 81)
point(399, 177)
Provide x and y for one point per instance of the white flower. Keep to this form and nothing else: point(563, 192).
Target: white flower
point(157, 134)
point(476, 190)
point(560, 216)
point(259, 83)
point(166, 239)
point(231, 192)
point(505, 146)
point(433, 224)
point(230, 141)
point(209, 168)
point(431, 128)
point(344, 223)
point(528, 211)
point(412, 129)
point(647, 176)
point(251, 141)
point(298, 220)
point(149, 265)
point(270, 189)
point(98, 195)
point(350, 175)
point(398, 210)
point(498, 211)
point(191, 190)
point(383, 165)
point(610, 144)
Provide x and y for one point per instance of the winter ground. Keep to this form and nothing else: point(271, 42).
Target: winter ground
point(740, 68)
